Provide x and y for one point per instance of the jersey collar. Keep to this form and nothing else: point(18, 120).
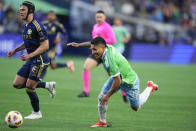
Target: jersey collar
point(29, 22)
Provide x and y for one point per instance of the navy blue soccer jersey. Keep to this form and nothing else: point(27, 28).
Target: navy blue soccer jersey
point(52, 31)
point(33, 34)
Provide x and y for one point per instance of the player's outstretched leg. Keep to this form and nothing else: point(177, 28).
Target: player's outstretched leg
point(69, 65)
point(103, 108)
point(50, 86)
point(89, 64)
point(30, 89)
point(146, 93)
point(102, 113)
point(86, 79)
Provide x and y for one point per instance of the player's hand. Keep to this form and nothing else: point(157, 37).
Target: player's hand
point(104, 99)
point(73, 44)
point(25, 57)
point(11, 53)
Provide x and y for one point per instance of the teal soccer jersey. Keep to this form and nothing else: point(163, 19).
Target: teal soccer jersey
point(120, 33)
point(116, 64)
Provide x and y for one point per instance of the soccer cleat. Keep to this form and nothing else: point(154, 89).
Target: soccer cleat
point(125, 99)
point(100, 124)
point(154, 87)
point(151, 84)
point(70, 65)
point(83, 94)
point(51, 88)
point(34, 115)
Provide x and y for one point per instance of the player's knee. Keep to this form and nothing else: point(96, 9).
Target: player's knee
point(53, 66)
point(100, 97)
point(30, 85)
point(86, 67)
point(30, 89)
point(135, 108)
point(17, 85)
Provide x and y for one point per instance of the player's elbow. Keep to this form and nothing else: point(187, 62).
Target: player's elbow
point(117, 80)
point(47, 45)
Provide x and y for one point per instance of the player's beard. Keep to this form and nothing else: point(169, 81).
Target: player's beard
point(96, 55)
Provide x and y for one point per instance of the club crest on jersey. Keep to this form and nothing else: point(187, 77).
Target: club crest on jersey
point(53, 29)
point(29, 31)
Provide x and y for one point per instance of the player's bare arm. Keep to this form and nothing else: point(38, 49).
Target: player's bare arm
point(115, 86)
point(42, 48)
point(19, 48)
point(84, 44)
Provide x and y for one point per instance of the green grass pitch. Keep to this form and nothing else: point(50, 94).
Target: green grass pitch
point(171, 108)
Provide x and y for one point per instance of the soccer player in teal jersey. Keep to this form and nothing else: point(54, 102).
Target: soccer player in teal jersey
point(30, 74)
point(122, 76)
point(121, 34)
point(122, 37)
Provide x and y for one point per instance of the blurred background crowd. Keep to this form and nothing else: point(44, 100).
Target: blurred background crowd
point(176, 18)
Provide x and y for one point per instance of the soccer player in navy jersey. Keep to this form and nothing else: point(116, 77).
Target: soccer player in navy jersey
point(54, 30)
point(30, 74)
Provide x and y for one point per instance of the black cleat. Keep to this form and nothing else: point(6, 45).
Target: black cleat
point(125, 99)
point(83, 94)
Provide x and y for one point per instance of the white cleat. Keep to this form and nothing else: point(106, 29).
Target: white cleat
point(34, 115)
point(51, 88)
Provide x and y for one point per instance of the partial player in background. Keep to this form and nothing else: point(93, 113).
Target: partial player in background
point(54, 30)
point(121, 34)
point(121, 76)
point(122, 37)
point(30, 74)
point(104, 30)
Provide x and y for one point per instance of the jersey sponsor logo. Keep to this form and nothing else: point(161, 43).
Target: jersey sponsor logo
point(27, 37)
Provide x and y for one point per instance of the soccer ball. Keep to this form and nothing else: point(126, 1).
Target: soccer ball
point(14, 119)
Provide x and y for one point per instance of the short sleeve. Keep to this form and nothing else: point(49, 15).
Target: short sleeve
point(42, 34)
point(62, 29)
point(126, 33)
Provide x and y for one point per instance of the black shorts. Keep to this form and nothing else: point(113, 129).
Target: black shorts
point(99, 61)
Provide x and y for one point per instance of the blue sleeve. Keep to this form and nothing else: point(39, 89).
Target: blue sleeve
point(42, 34)
point(61, 28)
